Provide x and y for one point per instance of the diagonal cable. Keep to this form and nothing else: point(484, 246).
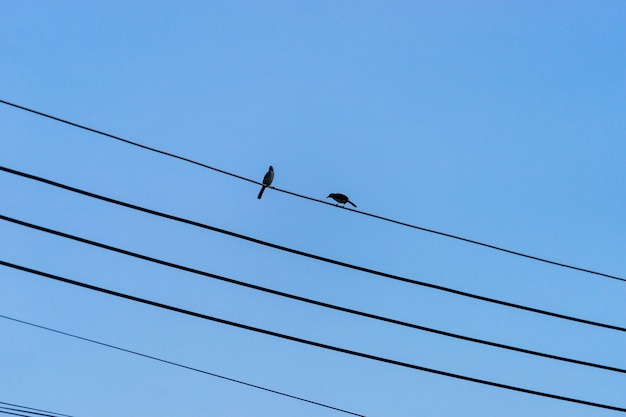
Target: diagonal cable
point(178, 365)
point(25, 411)
point(31, 408)
point(309, 255)
point(387, 219)
point(307, 300)
point(310, 342)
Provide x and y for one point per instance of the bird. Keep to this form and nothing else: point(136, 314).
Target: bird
point(267, 181)
point(340, 198)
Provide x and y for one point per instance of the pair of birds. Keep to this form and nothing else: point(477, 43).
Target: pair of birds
point(269, 177)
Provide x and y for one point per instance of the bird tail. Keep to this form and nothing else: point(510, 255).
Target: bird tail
point(351, 203)
point(261, 193)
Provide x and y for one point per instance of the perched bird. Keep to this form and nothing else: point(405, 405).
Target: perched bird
point(267, 181)
point(340, 198)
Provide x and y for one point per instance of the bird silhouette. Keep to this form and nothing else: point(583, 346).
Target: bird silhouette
point(340, 198)
point(267, 181)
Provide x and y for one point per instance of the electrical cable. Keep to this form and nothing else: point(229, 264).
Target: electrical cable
point(34, 409)
point(143, 355)
point(304, 299)
point(26, 411)
point(424, 229)
point(310, 342)
point(309, 255)
point(13, 414)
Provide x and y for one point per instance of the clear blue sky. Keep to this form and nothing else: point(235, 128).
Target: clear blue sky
point(503, 122)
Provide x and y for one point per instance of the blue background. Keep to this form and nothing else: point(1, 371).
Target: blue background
point(503, 122)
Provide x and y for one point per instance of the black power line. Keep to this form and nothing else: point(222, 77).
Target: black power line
point(25, 411)
point(310, 342)
point(424, 229)
point(13, 414)
point(309, 255)
point(143, 355)
point(303, 299)
point(34, 409)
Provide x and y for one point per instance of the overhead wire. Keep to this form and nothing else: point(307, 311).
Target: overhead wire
point(190, 368)
point(309, 255)
point(304, 299)
point(12, 414)
point(25, 411)
point(387, 219)
point(310, 342)
point(34, 409)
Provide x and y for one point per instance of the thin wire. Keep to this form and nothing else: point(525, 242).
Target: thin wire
point(34, 409)
point(309, 255)
point(148, 148)
point(179, 365)
point(26, 411)
point(13, 414)
point(387, 219)
point(303, 299)
point(309, 342)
